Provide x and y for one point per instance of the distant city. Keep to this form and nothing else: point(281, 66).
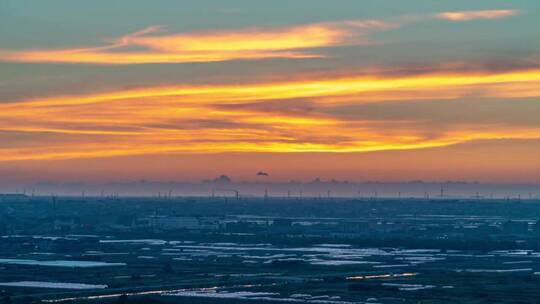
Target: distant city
point(223, 186)
point(224, 249)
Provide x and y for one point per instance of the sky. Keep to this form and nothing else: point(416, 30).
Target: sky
point(354, 90)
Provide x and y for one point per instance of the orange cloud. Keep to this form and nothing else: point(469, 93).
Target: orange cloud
point(474, 15)
point(151, 46)
point(291, 42)
point(377, 87)
point(194, 119)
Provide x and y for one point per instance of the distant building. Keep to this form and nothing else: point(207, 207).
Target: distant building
point(360, 227)
point(177, 223)
point(13, 197)
point(515, 227)
point(282, 222)
point(65, 225)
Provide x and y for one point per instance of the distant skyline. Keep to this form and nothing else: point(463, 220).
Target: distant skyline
point(106, 91)
point(223, 186)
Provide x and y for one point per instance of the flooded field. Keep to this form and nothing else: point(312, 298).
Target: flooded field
point(250, 259)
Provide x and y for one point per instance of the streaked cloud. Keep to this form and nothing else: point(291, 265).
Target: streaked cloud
point(383, 84)
point(284, 113)
point(402, 86)
point(154, 45)
point(278, 116)
point(476, 15)
point(150, 45)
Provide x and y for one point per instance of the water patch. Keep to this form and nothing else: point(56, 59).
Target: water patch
point(59, 263)
point(52, 285)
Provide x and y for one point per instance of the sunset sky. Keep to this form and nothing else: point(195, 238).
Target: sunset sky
point(360, 90)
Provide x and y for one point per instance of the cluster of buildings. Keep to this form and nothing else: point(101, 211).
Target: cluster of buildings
point(325, 227)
